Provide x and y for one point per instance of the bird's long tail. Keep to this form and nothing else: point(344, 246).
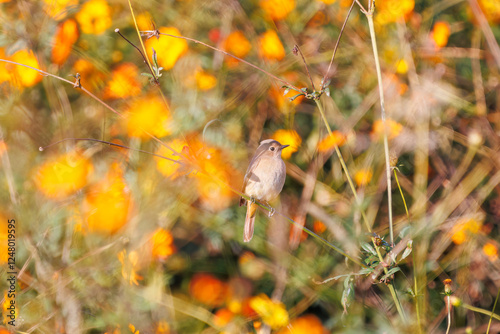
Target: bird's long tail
point(249, 221)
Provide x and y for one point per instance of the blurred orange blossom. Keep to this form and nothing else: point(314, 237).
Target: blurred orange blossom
point(208, 289)
point(58, 9)
point(108, 203)
point(168, 49)
point(123, 82)
point(288, 137)
point(277, 9)
point(66, 35)
point(148, 116)
point(440, 33)
point(273, 313)
point(64, 175)
point(162, 244)
point(94, 17)
point(22, 76)
point(307, 324)
point(270, 46)
point(393, 129)
point(336, 138)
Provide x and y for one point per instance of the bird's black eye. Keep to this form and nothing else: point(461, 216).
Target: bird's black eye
point(272, 148)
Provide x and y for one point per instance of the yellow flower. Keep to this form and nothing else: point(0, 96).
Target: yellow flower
point(23, 76)
point(463, 229)
point(130, 266)
point(307, 324)
point(58, 9)
point(144, 21)
point(4, 256)
point(329, 142)
point(440, 33)
point(288, 137)
point(63, 176)
point(491, 9)
point(272, 313)
point(237, 45)
point(363, 176)
point(66, 35)
point(108, 203)
point(394, 129)
point(270, 47)
point(148, 115)
point(328, 2)
point(168, 49)
point(402, 67)
point(393, 10)
point(123, 82)
point(167, 167)
point(162, 244)
point(277, 9)
point(94, 17)
point(205, 81)
point(491, 251)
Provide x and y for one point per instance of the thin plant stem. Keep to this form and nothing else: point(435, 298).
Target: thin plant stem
point(448, 310)
point(368, 227)
point(481, 310)
point(146, 60)
point(296, 48)
point(415, 285)
point(140, 38)
point(323, 84)
point(492, 312)
point(154, 33)
point(369, 16)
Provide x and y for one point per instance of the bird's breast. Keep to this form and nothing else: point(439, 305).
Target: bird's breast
point(267, 179)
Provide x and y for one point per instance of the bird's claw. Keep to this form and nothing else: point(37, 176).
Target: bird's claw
point(272, 212)
point(252, 200)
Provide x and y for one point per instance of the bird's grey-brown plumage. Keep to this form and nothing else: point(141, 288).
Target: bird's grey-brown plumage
point(264, 180)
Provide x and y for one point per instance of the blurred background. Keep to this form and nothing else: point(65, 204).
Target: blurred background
point(111, 240)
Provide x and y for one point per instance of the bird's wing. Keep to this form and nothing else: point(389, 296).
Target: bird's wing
point(251, 167)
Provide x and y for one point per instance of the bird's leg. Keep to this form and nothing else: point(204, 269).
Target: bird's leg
point(252, 200)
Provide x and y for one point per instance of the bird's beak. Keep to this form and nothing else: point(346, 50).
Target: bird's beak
point(283, 146)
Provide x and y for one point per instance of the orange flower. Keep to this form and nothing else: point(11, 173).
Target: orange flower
point(167, 167)
point(328, 2)
point(162, 327)
point(288, 137)
point(94, 17)
point(4, 256)
point(271, 312)
point(64, 175)
point(491, 251)
point(3, 147)
point(168, 49)
point(208, 289)
point(283, 101)
point(222, 317)
point(363, 176)
point(130, 266)
point(123, 82)
point(58, 9)
point(148, 116)
point(205, 81)
point(440, 33)
point(394, 10)
point(23, 76)
point(237, 45)
point(162, 244)
point(108, 203)
point(144, 21)
point(463, 229)
point(491, 9)
point(336, 138)
point(277, 9)
point(307, 324)
point(66, 35)
point(7, 309)
point(319, 227)
point(394, 129)
point(270, 46)
point(212, 183)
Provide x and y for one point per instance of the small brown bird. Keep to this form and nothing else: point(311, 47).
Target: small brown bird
point(264, 180)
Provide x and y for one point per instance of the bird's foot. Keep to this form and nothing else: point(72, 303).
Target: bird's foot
point(271, 212)
point(252, 200)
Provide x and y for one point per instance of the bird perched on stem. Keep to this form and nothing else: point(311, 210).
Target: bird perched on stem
point(264, 180)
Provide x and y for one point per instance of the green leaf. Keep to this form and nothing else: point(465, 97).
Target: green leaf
point(294, 97)
point(347, 294)
point(368, 248)
point(149, 75)
point(407, 250)
point(390, 272)
point(327, 91)
point(365, 271)
point(404, 232)
point(286, 91)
